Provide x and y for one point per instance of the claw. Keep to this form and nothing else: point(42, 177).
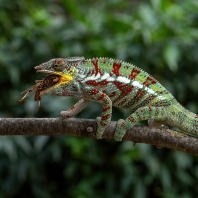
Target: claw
point(64, 114)
point(120, 131)
point(100, 129)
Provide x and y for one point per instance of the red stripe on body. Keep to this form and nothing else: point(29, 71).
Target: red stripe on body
point(95, 64)
point(137, 97)
point(124, 88)
point(95, 83)
point(134, 73)
point(149, 81)
point(116, 68)
point(140, 94)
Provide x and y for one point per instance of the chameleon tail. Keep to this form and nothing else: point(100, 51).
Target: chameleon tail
point(185, 119)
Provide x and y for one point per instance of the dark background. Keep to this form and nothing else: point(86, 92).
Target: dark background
point(161, 37)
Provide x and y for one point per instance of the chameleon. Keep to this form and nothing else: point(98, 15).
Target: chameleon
point(116, 83)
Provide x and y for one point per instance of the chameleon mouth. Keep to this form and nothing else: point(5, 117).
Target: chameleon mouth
point(63, 79)
point(44, 86)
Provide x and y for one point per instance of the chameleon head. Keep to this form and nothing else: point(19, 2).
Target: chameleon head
point(57, 64)
point(60, 64)
point(60, 67)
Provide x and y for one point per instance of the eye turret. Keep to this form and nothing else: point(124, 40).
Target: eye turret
point(58, 65)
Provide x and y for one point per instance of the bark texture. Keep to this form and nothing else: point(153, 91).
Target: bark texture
point(160, 137)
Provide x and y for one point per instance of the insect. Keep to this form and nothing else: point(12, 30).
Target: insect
point(40, 87)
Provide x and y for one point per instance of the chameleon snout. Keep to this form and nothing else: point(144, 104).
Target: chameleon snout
point(38, 67)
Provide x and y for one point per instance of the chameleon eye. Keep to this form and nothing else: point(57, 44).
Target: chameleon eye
point(57, 67)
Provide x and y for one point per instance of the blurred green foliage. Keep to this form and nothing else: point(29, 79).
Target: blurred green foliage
point(159, 36)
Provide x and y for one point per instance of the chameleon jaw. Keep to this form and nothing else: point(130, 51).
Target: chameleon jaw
point(46, 85)
point(64, 79)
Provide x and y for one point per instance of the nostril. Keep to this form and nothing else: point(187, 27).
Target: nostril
point(37, 67)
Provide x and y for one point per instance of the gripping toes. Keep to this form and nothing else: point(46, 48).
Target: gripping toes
point(102, 122)
point(100, 128)
point(65, 114)
point(143, 113)
point(120, 130)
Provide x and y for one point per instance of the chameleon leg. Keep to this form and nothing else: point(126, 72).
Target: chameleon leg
point(143, 113)
point(105, 118)
point(75, 109)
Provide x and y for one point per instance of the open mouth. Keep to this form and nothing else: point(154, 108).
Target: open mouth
point(63, 78)
point(50, 82)
point(53, 80)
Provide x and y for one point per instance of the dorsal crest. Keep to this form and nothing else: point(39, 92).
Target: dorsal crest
point(74, 60)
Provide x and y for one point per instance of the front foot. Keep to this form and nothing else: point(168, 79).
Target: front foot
point(65, 114)
point(120, 130)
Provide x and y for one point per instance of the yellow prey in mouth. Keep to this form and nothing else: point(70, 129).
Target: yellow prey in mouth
point(50, 82)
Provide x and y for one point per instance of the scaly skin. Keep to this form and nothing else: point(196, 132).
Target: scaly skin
point(120, 84)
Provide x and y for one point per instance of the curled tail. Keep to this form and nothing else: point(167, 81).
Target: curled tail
point(183, 119)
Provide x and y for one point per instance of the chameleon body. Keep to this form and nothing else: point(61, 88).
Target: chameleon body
point(120, 84)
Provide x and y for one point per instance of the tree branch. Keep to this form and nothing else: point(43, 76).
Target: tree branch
point(160, 137)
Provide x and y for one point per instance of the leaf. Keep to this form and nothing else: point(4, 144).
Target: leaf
point(171, 55)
